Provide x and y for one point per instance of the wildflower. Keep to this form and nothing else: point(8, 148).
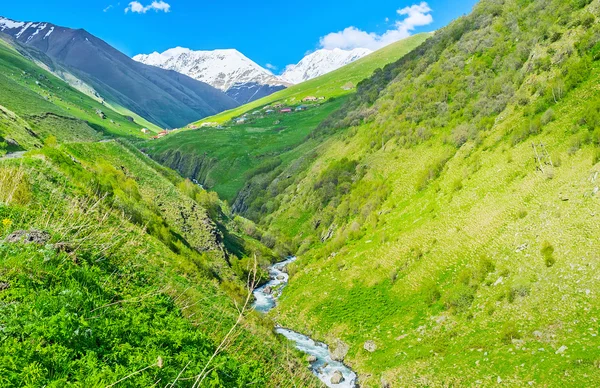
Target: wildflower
point(6, 223)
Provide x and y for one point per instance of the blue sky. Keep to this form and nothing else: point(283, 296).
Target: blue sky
point(268, 31)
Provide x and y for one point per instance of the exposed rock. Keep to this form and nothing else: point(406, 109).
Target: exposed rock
point(311, 358)
point(280, 277)
point(339, 352)
point(561, 350)
point(384, 383)
point(337, 377)
point(4, 286)
point(370, 346)
point(28, 237)
point(268, 290)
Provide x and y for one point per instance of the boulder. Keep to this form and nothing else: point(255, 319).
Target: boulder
point(280, 277)
point(28, 237)
point(339, 351)
point(337, 377)
point(311, 358)
point(370, 346)
point(4, 286)
point(268, 290)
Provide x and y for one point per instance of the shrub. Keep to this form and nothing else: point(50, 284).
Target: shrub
point(509, 333)
point(459, 298)
point(548, 254)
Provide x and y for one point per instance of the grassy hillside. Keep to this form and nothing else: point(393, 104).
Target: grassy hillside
point(228, 159)
point(114, 269)
point(451, 217)
point(331, 84)
point(225, 159)
point(42, 105)
point(134, 275)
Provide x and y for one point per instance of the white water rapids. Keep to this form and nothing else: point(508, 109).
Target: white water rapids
point(323, 367)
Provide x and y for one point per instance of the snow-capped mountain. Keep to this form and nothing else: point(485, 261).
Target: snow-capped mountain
point(228, 70)
point(166, 98)
point(321, 62)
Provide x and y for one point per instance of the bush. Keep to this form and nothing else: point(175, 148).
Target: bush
point(548, 254)
point(459, 298)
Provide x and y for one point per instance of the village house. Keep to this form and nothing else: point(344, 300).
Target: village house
point(300, 108)
point(208, 124)
point(321, 98)
point(286, 110)
point(309, 99)
point(269, 111)
point(240, 120)
point(145, 130)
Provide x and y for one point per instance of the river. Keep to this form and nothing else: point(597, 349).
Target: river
point(322, 365)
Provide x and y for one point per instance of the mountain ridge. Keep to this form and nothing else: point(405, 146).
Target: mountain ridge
point(165, 97)
point(226, 69)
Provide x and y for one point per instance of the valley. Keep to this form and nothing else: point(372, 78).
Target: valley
point(423, 214)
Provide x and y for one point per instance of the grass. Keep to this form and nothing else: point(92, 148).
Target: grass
point(223, 159)
point(331, 84)
point(50, 107)
point(452, 250)
point(111, 296)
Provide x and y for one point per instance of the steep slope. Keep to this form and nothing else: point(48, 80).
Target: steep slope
point(322, 62)
point(112, 267)
point(447, 227)
point(166, 98)
point(340, 82)
point(36, 105)
point(228, 70)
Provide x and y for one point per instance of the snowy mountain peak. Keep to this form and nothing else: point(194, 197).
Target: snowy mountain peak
point(220, 68)
point(322, 62)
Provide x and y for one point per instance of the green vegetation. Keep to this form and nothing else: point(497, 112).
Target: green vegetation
point(463, 241)
point(225, 159)
point(236, 160)
point(36, 104)
point(332, 84)
point(131, 279)
point(114, 269)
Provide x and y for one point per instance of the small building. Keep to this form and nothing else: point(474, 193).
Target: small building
point(100, 114)
point(240, 120)
point(321, 98)
point(269, 111)
point(208, 124)
point(286, 110)
point(257, 112)
point(145, 130)
point(309, 99)
point(300, 108)
point(162, 134)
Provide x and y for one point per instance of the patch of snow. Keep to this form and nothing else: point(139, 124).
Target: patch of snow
point(9, 24)
point(49, 32)
point(23, 30)
point(322, 62)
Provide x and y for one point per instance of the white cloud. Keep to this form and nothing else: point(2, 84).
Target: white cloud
point(107, 8)
point(158, 6)
point(416, 15)
point(270, 66)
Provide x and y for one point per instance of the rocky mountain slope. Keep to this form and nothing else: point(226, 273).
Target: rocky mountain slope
point(321, 62)
point(166, 98)
point(228, 70)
